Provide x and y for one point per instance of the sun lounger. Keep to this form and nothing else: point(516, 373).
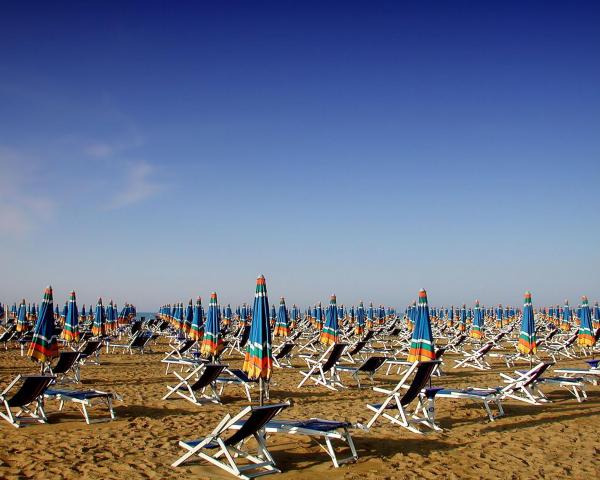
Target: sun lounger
point(284, 354)
point(66, 369)
point(368, 368)
point(399, 400)
point(84, 399)
point(476, 359)
point(28, 399)
point(227, 452)
point(326, 364)
point(195, 391)
point(316, 428)
point(90, 352)
point(235, 376)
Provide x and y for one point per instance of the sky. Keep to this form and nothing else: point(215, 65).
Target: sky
point(153, 152)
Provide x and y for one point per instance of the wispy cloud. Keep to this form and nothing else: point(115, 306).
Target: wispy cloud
point(21, 208)
point(140, 184)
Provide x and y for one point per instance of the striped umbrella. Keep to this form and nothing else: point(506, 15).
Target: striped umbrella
point(421, 344)
point(227, 315)
point(527, 341)
point(360, 319)
point(188, 318)
point(330, 333)
point(462, 326)
point(282, 328)
point(44, 346)
point(99, 325)
point(566, 317)
point(22, 325)
point(212, 343)
point(197, 328)
point(258, 361)
point(596, 320)
point(477, 327)
point(499, 316)
point(70, 331)
point(294, 316)
point(370, 316)
point(450, 317)
point(586, 336)
point(111, 318)
point(319, 316)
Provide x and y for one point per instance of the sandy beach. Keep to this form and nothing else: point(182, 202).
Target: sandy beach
point(557, 440)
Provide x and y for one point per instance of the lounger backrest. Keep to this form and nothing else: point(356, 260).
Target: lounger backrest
point(422, 376)
point(539, 372)
point(368, 336)
point(372, 364)
point(90, 347)
point(358, 347)
point(258, 418)
point(65, 362)
point(209, 375)
point(245, 336)
point(485, 349)
point(186, 346)
point(285, 350)
point(31, 388)
point(241, 375)
point(439, 353)
point(334, 356)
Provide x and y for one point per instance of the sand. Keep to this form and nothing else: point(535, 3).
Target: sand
point(557, 440)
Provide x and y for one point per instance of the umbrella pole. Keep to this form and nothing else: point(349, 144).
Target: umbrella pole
point(261, 391)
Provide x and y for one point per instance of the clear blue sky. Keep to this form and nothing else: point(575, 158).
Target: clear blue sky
point(155, 151)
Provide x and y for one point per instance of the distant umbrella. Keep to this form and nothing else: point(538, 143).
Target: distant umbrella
point(477, 327)
point(565, 324)
point(70, 332)
point(282, 327)
point(258, 361)
point(22, 325)
point(44, 346)
point(527, 341)
point(330, 332)
point(211, 341)
point(421, 344)
point(197, 326)
point(586, 336)
point(99, 325)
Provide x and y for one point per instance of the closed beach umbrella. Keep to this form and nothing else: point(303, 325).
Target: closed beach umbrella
point(99, 325)
point(111, 318)
point(197, 327)
point(527, 341)
point(44, 346)
point(565, 324)
point(282, 328)
point(462, 326)
point(421, 344)
point(585, 337)
point(477, 327)
point(596, 321)
point(212, 341)
point(22, 325)
point(189, 316)
point(330, 332)
point(360, 319)
point(258, 361)
point(70, 332)
point(227, 315)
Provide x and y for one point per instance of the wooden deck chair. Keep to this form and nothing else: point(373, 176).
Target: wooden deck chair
point(235, 376)
point(284, 354)
point(326, 364)
point(195, 391)
point(476, 359)
point(66, 369)
point(368, 368)
point(227, 452)
point(399, 400)
point(84, 399)
point(28, 399)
